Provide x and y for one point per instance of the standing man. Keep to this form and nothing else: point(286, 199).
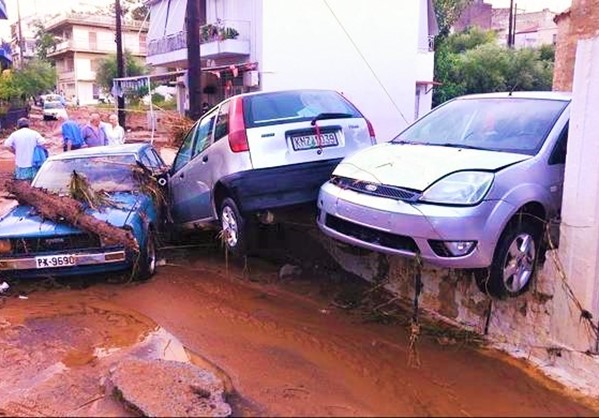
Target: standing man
point(22, 143)
point(92, 133)
point(71, 133)
point(114, 132)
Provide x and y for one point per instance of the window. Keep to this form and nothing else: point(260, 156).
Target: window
point(184, 154)
point(93, 40)
point(558, 156)
point(152, 160)
point(222, 122)
point(204, 133)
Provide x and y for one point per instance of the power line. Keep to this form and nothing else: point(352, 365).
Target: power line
point(366, 62)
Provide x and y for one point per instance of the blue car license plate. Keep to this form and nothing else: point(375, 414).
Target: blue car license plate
point(50, 261)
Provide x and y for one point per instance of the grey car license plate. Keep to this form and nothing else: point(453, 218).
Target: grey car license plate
point(303, 142)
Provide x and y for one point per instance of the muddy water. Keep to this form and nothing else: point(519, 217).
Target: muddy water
point(287, 351)
point(281, 348)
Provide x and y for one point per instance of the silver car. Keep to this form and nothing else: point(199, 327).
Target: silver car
point(254, 154)
point(470, 185)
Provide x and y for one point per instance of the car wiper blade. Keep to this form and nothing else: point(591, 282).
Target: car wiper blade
point(452, 145)
point(322, 116)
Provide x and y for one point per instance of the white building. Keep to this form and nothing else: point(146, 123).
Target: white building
point(377, 53)
point(85, 39)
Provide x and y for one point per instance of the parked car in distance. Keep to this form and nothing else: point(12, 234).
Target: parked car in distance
point(256, 153)
point(34, 247)
point(471, 185)
point(53, 110)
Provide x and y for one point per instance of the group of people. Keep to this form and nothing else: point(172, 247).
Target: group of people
point(95, 133)
point(27, 143)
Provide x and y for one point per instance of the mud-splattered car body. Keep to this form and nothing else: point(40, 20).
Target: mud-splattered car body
point(34, 247)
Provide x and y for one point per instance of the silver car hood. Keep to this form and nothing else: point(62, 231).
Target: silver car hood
point(418, 166)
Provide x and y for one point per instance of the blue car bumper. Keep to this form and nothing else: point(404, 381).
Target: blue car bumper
point(79, 263)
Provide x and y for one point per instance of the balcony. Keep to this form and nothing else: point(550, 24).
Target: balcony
point(222, 39)
point(66, 75)
point(99, 47)
point(225, 39)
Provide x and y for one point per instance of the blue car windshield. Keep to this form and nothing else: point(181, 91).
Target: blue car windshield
point(511, 124)
point(112, 173)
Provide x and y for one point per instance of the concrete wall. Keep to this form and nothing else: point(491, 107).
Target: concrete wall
point(370, 57)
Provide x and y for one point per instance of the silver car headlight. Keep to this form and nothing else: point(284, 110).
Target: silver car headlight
point(461, 188)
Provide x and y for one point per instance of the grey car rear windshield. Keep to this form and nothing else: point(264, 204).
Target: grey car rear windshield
point(294, 106)
point(497, 124)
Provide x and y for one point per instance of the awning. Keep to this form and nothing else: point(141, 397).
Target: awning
point(167, 17)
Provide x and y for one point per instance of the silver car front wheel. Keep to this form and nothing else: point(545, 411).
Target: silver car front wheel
point(514, 260)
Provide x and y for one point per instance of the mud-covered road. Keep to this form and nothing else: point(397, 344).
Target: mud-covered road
point(305, 345)
point(284, 348)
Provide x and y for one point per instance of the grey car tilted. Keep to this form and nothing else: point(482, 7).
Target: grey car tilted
point(471, 185)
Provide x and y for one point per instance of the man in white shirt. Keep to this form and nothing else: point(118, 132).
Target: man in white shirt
point(22, 143)
point(115, 134)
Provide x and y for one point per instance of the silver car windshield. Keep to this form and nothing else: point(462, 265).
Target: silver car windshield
point(109, 173)
point(515, 125)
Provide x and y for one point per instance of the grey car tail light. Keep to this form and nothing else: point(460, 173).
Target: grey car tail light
point(238, 140)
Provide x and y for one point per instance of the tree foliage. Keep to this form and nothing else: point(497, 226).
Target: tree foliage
point(34, 78)
point(472, 62)
point(44, 41)
point(448, 12)
point(107, 71)
point(131, 9)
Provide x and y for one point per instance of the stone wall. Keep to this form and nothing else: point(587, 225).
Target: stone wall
point(580, 22)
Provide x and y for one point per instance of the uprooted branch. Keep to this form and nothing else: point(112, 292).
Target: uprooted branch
point(65, 209)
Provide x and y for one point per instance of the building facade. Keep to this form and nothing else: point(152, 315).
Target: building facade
point(84, 40)
point(532, 29)
point(22, 40)
point(383, 62)
point(478, 14)
point(581, 21)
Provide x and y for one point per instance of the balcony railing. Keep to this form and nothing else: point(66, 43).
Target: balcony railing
point(100, 46)
point(220, 32)
point(92, 20)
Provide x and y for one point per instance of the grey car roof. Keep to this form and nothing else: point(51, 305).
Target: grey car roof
point(546, 95)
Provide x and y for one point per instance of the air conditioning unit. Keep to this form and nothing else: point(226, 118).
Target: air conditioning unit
point(251, 78)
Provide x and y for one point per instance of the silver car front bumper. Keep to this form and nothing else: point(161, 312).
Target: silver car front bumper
point(81, 259)
point(397, 227)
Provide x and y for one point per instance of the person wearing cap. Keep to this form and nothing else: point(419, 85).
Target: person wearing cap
point(71, 133)
point(22, 143)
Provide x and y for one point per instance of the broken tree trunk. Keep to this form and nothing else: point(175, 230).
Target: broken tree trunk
point(65, 209)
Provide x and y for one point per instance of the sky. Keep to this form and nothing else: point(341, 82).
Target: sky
point(29, 7)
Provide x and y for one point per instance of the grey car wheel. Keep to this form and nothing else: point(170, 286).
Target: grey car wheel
point(233, 227)
point(514, 261)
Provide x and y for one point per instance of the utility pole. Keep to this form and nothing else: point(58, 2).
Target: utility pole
point(194, 64)
point(514, 24)
point(21, 43)
point(120, 64)
point(510, 35)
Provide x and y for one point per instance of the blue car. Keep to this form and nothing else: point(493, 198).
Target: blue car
point(34, 247)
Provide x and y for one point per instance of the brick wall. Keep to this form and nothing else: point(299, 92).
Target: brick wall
point(580, 22)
